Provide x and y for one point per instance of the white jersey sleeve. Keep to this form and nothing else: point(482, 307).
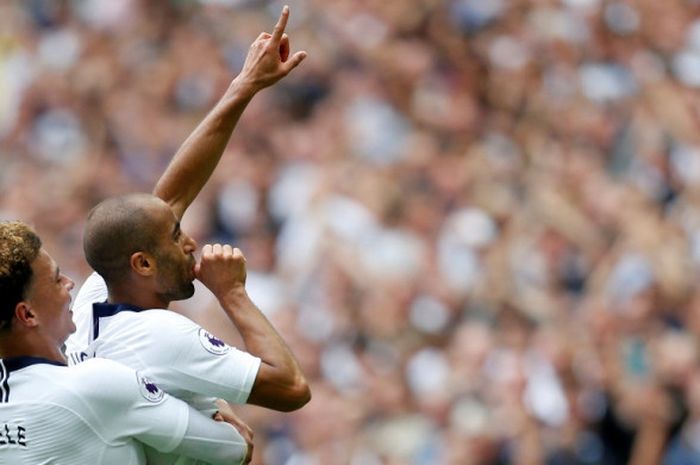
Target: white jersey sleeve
point(101, 413)
point(125, 404)
point(212, 442)
point(183, 356)
point(93, 290)
point(128, 404)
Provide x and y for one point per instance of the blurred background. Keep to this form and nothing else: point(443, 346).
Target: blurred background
point(476, 222)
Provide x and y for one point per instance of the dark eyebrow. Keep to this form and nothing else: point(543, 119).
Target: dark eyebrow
point(58, 272)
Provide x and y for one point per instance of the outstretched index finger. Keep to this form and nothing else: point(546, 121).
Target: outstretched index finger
point(280, 26)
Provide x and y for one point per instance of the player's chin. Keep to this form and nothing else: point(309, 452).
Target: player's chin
point(69, 327)
point(186, 290)
point(190, 289)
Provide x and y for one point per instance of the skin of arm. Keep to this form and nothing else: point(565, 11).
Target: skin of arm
point(655, 422)
point(267, 62)
point(280, 384)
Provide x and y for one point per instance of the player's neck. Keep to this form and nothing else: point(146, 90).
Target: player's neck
point(143, 300)
point(30, 345)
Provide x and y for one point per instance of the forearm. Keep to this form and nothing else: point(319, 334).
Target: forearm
point(649, 443)
point(212, 441)
point(280, 383)
point(198, 156)
point(267, 62)
point(259, 336)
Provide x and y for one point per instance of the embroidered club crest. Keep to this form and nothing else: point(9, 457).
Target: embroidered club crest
point(212, 344)
point(149, 390)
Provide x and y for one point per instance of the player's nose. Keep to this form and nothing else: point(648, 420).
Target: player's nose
point(190, 244)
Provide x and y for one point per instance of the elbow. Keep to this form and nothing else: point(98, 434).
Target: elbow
point(298, 395)
point(304, 395)
point(283, 391)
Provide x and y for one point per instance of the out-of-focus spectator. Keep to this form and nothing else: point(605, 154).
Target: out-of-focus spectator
point(476, 221)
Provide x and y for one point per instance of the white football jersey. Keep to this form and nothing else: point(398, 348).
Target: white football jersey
point(93, 290)
point(98, 413)
point(184, 359)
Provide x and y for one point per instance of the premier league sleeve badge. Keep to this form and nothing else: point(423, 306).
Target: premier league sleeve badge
point(211, 343)
point(149, 390)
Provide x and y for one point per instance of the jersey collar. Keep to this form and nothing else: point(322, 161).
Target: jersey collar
point(104, 309)
point(17, 363)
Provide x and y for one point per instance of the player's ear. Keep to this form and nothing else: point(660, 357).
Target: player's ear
point(25, 315)
point(142, 263)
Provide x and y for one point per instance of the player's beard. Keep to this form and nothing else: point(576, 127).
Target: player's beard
point(175, 280)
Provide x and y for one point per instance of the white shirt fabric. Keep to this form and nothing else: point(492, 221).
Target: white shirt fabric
point(98, 413)
point(181, 357)
point(93, 290)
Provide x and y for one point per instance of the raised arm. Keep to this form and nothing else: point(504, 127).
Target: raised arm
point(280, 383)
point(267, 62)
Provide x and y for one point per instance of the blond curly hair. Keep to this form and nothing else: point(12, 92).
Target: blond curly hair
point(19, 247)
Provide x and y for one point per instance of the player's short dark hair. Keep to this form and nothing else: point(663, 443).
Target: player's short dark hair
point(19, 247)
point(116, 229)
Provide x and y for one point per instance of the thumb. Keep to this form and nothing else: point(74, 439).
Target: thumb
point(197, 270)
point(294, 61)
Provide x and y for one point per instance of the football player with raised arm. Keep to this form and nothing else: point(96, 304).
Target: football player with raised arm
point(144, 261)
point(97, 413)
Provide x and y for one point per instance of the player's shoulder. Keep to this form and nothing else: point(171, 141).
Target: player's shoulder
point(94, 289)
point(99, 368)
point(98, 388)
point(94, 379)
point(106, 380)
point(160, 320)
point(149, 332)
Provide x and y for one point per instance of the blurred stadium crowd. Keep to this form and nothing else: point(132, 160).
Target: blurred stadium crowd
point(477, 222)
